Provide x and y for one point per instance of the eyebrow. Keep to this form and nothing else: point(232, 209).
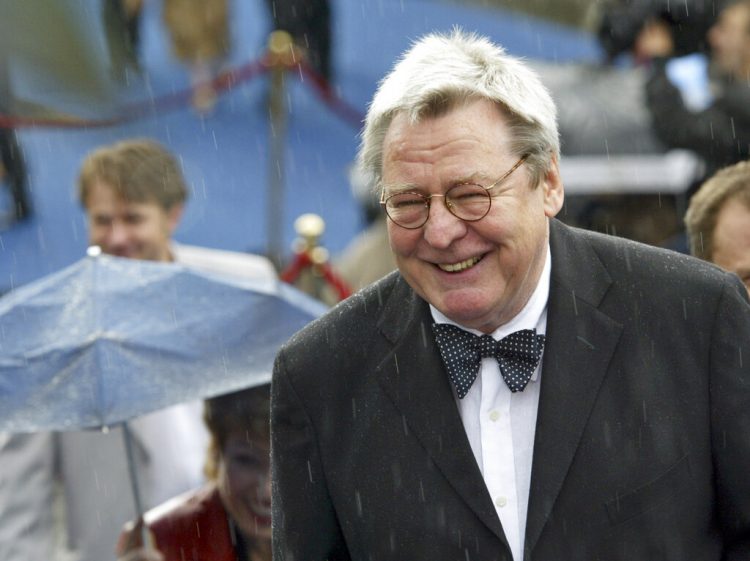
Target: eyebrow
point(477, 178)
point(400, 188)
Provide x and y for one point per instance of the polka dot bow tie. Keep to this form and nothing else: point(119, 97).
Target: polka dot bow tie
point(517, 355)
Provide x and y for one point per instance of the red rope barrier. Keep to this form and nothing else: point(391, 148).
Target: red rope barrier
point(131, 112)
point(302, 261)
point(327, 94)
point(168, 102)
point(292, 271)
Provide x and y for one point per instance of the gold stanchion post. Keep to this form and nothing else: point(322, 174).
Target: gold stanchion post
point(281, 56)
point(310, 228)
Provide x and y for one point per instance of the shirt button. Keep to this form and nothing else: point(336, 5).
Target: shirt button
point(501, 502)
point(494, 415)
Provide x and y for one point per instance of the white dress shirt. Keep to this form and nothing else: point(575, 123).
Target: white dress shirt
point(501, 425)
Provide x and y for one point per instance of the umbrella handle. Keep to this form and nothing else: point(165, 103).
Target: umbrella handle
point(127, 436)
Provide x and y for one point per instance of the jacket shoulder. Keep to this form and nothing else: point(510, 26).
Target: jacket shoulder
point(352, 318)
point(639, 265)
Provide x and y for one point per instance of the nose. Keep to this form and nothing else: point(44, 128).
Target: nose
point(442, 228)
point(118, 236)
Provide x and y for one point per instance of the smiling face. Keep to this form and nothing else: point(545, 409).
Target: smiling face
point(731, 240)
point(244, 480)
point(730, 40)
point(136, 230)
point(479, 274)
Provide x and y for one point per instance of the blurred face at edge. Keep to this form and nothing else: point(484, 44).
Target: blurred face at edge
point(244, 481)
point(480, 274)
point(731, 243)
point(136, 230)
point(729, 38)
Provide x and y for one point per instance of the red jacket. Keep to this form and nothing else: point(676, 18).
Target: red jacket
point(192, 526)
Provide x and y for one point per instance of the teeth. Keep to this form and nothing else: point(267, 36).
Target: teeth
point(455, 267)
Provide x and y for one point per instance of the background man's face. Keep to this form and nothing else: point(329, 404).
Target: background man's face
point(129, 229)
point(479, 274)
point(730, 39)
point(731, 242)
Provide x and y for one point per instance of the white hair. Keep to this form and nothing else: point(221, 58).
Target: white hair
point(440, 71)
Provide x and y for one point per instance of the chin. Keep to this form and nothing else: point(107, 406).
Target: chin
point(255, 527)
point(463, 304)
point(127, 254)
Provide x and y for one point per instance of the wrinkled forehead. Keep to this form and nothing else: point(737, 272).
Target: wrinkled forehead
point(469, 132)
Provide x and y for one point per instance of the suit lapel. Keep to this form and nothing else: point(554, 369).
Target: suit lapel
point(414, 378)
point(579, 346)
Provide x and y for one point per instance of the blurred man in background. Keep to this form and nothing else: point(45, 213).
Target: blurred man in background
point(718, 221)
point(12, 166)
point(13, 174)
point(622, 21)
point(133, 193)
point(719, 130)
point(309, 23)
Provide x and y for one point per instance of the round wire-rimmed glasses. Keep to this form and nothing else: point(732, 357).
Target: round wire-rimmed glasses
point(468, 201)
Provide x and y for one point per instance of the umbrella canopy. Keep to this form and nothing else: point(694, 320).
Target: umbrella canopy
point(108, 339)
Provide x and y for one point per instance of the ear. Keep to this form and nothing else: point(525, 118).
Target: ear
point(552, 186)
point(174, 214)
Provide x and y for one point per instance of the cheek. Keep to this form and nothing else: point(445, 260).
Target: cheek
point(403, 242)
point(164, 228)
point(96, 233)
point(243, 483)
point(234, 486)
point(147, 230)
point(496, 230)
point(233, 496)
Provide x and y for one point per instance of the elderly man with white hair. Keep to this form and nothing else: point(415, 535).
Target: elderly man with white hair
point(518, 389)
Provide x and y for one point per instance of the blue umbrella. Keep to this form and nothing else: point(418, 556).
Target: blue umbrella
point(108, 339)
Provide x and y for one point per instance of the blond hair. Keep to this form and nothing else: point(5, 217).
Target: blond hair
point(729, 183)
point(139, 170)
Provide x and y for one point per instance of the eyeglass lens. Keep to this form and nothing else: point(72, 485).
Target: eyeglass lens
point(467, 201)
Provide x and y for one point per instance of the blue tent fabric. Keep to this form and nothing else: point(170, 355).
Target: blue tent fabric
point(108, 339)
point(225, 154)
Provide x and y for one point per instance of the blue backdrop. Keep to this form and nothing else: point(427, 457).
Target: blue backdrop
point(225, 154)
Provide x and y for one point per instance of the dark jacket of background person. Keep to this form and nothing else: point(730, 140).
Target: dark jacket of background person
point(720, 133)
point(622, 20)
point(309, 23)
point(641, 448)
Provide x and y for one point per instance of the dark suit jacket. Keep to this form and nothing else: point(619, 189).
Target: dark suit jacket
point(642, 448)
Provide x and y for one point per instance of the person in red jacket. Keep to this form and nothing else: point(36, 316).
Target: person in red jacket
point(228, 519)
